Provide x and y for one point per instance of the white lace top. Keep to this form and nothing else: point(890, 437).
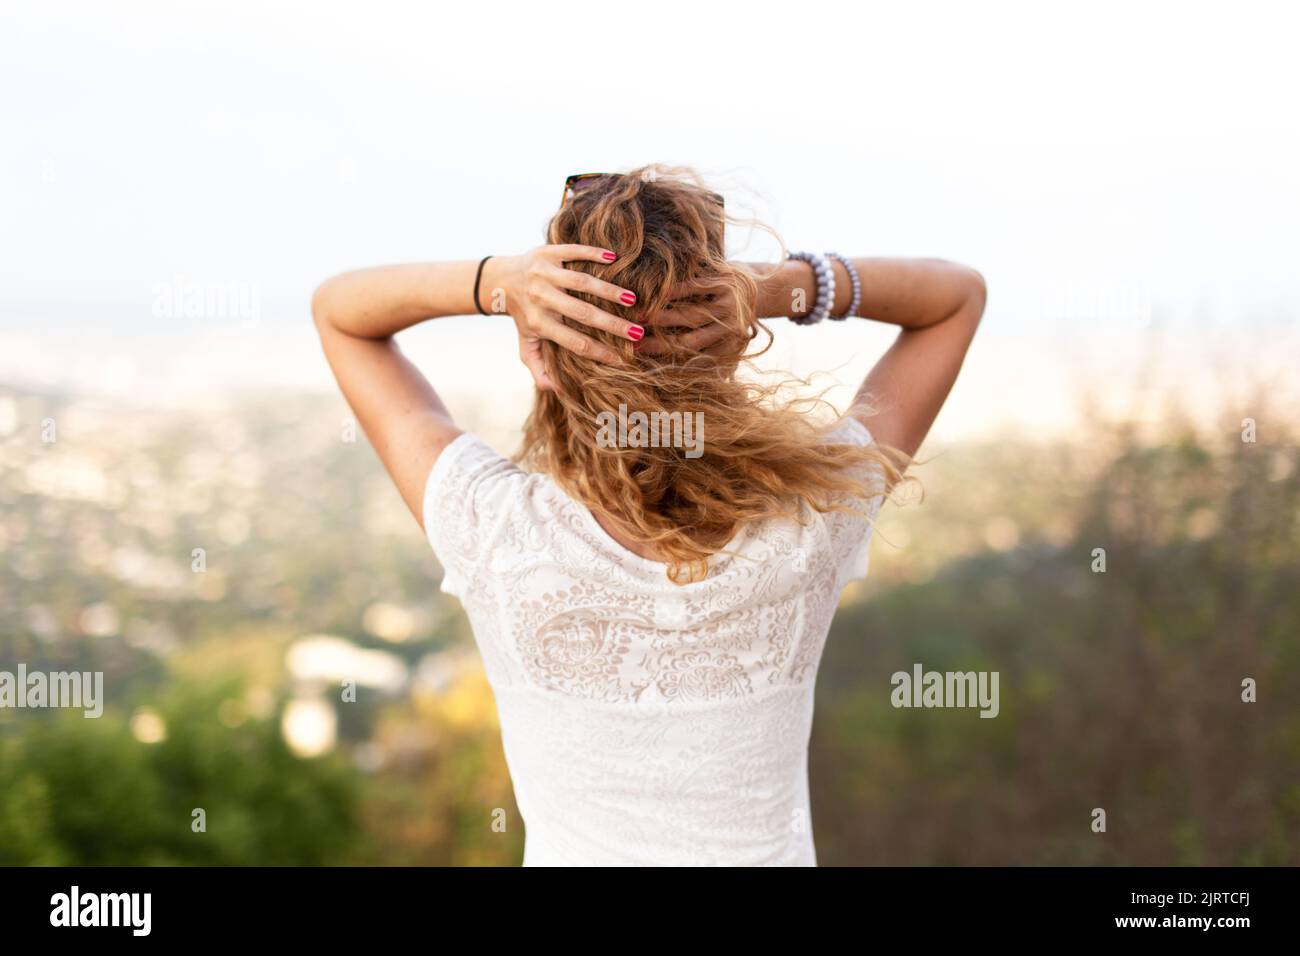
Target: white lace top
point(643, 722)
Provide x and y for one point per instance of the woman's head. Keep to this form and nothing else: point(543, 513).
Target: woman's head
point(697, 449)
point(669, 234)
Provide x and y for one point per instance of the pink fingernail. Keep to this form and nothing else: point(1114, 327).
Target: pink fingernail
point(635, 332)
point(608, 256)
point(628, 298)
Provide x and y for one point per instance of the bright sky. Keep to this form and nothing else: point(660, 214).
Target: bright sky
point(1117, 171)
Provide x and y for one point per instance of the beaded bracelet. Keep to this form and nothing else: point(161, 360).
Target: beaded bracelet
point(854, 280)
point(825, 288)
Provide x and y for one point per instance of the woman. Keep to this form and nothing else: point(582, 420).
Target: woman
point(650, 586)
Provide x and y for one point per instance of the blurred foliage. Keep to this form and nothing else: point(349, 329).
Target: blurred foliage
point(87, 792)
point(446, 800)
point(1118, 690)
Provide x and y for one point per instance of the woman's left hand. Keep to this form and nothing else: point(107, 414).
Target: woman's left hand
point(536, 287)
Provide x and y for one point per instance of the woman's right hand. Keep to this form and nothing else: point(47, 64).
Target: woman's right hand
point(536, 288)
point(698, 318)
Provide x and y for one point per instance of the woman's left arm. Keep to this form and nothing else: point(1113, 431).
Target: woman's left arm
point(358, 313)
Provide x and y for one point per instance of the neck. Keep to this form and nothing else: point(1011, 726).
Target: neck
point(638, 548)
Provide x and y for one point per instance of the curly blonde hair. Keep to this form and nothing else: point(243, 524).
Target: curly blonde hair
point(764, 455)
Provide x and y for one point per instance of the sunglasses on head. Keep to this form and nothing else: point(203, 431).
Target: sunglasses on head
point(579, 181)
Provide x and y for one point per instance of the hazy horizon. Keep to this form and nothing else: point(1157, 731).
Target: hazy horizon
point(1107, 195)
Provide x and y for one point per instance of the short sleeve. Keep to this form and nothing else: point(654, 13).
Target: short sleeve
point(851, 531)
point(467, 500)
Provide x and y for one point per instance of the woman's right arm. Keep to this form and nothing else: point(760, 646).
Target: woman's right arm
point(936, 304)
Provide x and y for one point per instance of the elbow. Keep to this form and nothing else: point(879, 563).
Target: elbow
point(977, 291)
point(320, 305)
point(965, 289)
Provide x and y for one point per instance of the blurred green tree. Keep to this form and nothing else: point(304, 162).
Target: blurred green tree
point(87, 792)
